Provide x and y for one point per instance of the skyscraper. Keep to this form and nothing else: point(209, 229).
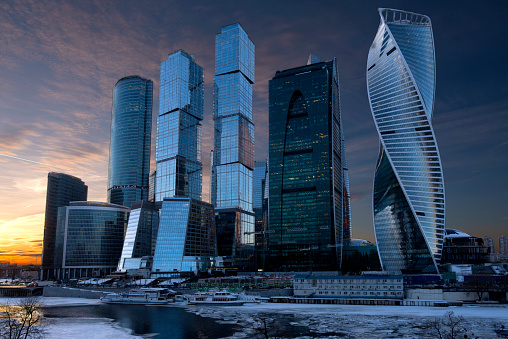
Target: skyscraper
point(178, 146)
point(305, 168)
point(233, 157)
point(347, 228)
point(140, 235)
point(186, 239)
point(62, 189)
point(489, 242)
point(186, 234)
point(503, 245)
point(258, 205)
point(409, 194)
point(129, 152)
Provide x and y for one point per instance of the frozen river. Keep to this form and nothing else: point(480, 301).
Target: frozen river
point(85, 318)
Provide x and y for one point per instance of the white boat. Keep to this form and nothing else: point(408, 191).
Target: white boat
point(142, 296)
point(220, 298)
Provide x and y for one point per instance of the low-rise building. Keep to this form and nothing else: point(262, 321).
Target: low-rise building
point(349, 286)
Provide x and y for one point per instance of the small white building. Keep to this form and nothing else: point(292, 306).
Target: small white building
point(349, 286)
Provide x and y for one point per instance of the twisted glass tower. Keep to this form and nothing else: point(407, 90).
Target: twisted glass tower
point(129, 152)
point(409, 195)
point(233, 157)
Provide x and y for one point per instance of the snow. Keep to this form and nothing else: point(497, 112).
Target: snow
point(55, 301)
point(356, 321)
point(86, 328)
point(94, 281)
point(325, 321)
point(141, 282)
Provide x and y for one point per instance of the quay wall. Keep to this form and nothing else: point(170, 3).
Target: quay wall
point(66, 292)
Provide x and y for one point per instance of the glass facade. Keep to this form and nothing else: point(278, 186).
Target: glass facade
point(346, 194)
point(141, 235)
point(178, 146)
point(186, 238)
point(409, 194)
point(305, 169)
point(129, 152)
point(89, 238)
point(62, 189)
point(259, 207)
point(233, 157)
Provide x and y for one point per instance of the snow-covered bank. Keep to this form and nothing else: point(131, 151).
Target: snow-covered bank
point(55, 301)
point(76, 328)
point(86, 328)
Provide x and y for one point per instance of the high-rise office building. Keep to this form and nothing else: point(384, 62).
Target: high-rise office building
point(186, 239)
point(186, 233)
point(409, 193)
point(62, 189)
point(129, 152)
point(178, 145)
point(89, 239)
point(503, 245)
point(151, 186)
point(347, 228)
point(305, 169)
point(141, 234)
point(233, 157)
point(489, 242)
point(259, 206)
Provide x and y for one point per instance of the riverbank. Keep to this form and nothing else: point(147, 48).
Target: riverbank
point(293, 320)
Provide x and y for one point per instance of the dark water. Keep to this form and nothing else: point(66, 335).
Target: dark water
point(163, 321)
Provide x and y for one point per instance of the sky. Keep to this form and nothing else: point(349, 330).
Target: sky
point(59, 61)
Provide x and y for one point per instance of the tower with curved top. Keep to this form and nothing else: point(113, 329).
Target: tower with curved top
point(409, 194)
point(306, 168)
point(129, 150)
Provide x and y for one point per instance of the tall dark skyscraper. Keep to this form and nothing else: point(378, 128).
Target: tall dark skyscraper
point(129, 152)
point(409, 192)
point(62, 189)
point(233, 157)
point(305, 169)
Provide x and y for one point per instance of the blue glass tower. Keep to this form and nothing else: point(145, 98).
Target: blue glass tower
point(186, 239)
point(233, 158)
point(186, 233)
point(409, 194)
point(89, 239)
point(129, 152)
point(178, 146)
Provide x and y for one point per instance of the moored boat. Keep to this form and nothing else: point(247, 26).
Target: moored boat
point(142, 296)
point(220, 298)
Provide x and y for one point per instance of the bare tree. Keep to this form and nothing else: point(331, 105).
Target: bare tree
point(267, 327)
point(480, 284)
point(447, 327)
point(22, 320)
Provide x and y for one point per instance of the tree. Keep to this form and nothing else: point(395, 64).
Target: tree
point(267, 327)
point(447, 327)
point(22, 320)
point(481, 284)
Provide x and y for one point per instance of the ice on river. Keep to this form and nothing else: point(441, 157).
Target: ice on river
point(354, 321)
